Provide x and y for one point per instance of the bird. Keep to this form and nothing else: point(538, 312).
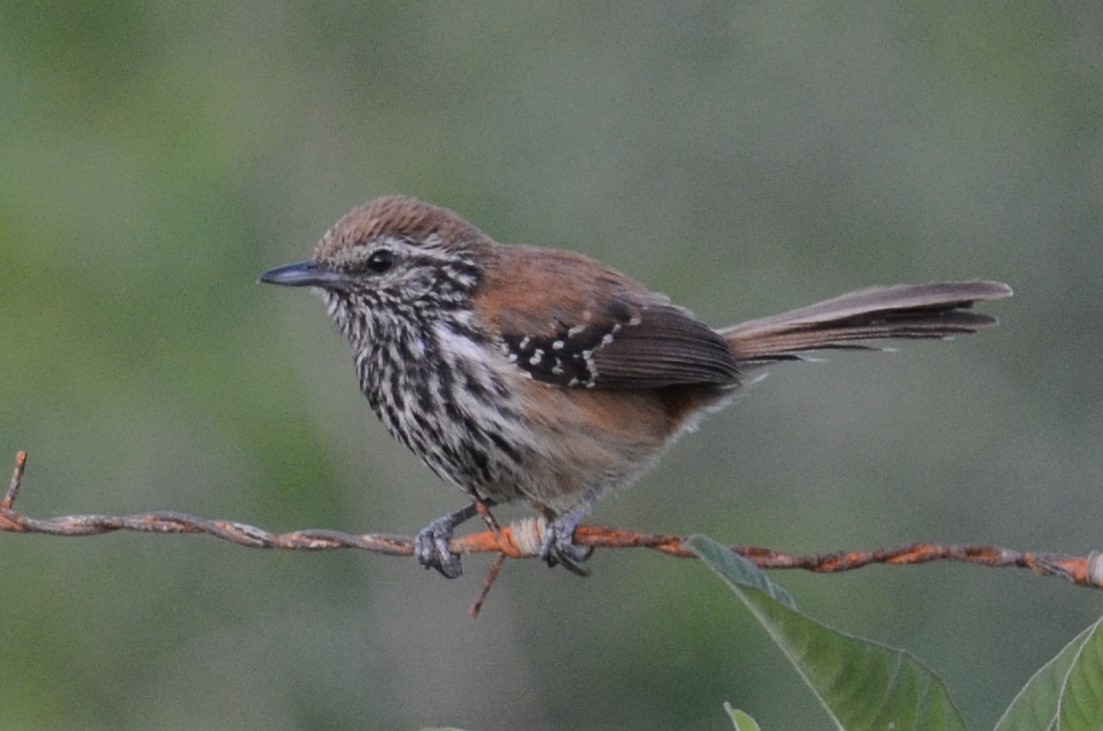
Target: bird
point(522, 373)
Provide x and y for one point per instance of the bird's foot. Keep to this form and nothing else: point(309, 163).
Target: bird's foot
point(559, 548)
point(431, 543)
point(431, 548)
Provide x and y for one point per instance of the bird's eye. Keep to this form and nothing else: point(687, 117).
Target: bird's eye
point(380, 261)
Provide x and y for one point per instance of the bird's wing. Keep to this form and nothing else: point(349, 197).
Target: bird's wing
point(569, 321)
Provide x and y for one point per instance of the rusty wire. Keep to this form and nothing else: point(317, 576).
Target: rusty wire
point(522, 540)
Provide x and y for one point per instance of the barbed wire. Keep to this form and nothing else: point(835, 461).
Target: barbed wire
point(523, 539)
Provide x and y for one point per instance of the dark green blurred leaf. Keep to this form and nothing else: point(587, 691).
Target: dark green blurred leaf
point(862, 684)
point(1066, 693)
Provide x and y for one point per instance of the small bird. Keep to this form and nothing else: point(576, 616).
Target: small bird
point(526, 373)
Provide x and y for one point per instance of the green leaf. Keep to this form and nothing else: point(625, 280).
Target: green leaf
point(1066, 693)
point(741, 720)
point(862, 684)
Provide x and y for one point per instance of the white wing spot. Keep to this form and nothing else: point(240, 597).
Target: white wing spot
point(536, 357)
point(588, 359)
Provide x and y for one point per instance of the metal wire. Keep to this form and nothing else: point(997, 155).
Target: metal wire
point(522, 540)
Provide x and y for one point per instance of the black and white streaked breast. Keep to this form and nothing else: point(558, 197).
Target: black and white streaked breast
point(432, 388)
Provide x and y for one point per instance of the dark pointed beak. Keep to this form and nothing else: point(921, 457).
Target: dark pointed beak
point(304, 274)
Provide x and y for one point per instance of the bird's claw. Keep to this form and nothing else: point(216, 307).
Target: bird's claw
point(559, 548)
point(431, 548)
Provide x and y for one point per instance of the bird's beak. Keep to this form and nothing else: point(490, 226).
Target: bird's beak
point(304, 274)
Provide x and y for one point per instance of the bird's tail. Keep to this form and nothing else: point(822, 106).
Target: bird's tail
point(851, 321)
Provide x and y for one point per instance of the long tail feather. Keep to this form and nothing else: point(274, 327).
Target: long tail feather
point(933, 310)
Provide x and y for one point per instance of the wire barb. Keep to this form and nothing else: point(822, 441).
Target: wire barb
point(523, 540)
point(16, 480)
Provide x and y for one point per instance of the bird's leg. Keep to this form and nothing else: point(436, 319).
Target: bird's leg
point(482, 507)
point(559, 546)
point(431, 542)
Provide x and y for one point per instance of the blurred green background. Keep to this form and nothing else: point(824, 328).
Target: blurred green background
point(155, 157)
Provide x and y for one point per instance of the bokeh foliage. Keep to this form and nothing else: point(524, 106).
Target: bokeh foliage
point(745, 158)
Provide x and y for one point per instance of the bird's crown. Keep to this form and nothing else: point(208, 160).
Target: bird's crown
point(399, 220)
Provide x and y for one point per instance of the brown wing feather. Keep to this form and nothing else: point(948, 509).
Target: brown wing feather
point(665, 346)
point(570, 321)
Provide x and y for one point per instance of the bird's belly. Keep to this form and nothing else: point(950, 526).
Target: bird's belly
point(588, 443)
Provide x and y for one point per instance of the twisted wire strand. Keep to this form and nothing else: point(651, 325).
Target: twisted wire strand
point(523, 539)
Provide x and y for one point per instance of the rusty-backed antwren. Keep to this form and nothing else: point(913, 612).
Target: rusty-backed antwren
point(517, 372)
